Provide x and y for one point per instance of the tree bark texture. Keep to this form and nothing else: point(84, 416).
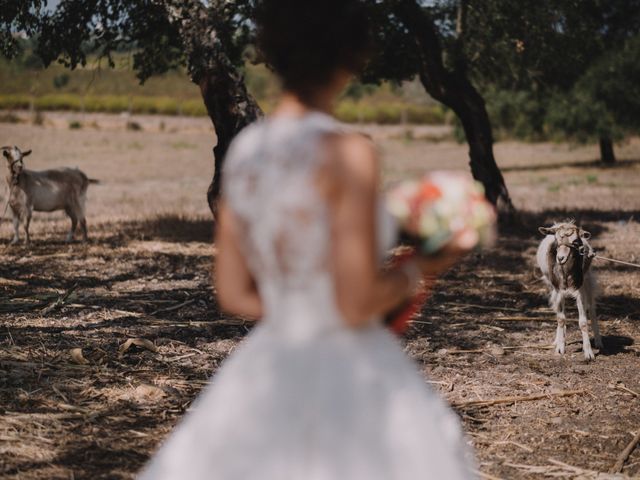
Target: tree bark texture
point(203, 27)
point(606, 151)
point(454, 90)
point(231, 108)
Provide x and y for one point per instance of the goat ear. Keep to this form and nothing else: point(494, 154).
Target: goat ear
point(6, 154)
point(546, 231)
point(27, 153)
point(584, 234)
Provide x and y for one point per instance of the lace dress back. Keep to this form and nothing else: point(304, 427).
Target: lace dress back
point(271, 184)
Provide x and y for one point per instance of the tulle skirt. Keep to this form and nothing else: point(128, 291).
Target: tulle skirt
point(344, 405)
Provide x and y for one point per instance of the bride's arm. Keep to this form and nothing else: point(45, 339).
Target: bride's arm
point(362, 288)
point(235, 286)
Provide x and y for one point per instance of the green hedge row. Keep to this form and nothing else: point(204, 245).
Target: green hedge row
point(390, 113)
point(346, 111)
point(105, 103)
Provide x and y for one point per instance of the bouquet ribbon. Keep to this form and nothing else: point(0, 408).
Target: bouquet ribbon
point(398, 319)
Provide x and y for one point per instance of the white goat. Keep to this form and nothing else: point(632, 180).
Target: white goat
point(565, 256)
point(44, 191)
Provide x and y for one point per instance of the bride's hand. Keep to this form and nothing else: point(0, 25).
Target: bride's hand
point(449, 255)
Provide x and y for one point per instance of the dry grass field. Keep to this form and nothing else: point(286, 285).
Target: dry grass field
point(79, 400)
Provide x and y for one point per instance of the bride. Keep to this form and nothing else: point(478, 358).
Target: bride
point(319, 390)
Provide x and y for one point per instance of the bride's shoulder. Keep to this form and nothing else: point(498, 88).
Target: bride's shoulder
point(244, 144)
point(353, 154)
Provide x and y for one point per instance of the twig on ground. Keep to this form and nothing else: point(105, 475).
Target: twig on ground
point(126, 312)
point(174, 307)
point(491, 350)
point(543, 469)
point(213, 323)
point(448, 385)
point(519, 347)
point(505, 400)
point(13, 416)
point(62, 395)
point(581, 471)
point(61, 300)
point(622, 387)
point(181, 357)
point(481, 307)
point(419, 322)
point(517, 444)
point(454, 352)
point(522, 319)
point(619, 465)
point(188, 346)
point(12, 282)
point(558, 468)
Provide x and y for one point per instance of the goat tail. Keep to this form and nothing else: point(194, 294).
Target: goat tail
point(94, 181)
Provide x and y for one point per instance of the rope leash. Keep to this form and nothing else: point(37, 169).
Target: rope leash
point(581, 251)
point(618, 261)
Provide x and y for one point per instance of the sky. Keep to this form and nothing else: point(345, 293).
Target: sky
point(51, 4)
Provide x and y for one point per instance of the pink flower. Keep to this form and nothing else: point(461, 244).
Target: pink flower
point(442, 204)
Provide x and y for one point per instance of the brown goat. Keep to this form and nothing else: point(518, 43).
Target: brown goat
point(564, 257)
point(44, 191)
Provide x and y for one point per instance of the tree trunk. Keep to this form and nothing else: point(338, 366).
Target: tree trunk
point(606, 151)
point(456, 91)
point(230, 108)
point(223, 91)
point(469, 106)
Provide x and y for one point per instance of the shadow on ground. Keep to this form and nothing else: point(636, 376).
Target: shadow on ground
point(622, 164)
point(56, 297)
point(172, 228)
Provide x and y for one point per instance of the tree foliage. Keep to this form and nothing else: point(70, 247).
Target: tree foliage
point(614, 82)
point(563, 67)
point(163, 34)
point(18, 16)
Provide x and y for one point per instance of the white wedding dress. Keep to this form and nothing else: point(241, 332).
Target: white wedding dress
point(304, 397)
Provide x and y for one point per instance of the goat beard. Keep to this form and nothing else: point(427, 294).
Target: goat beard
point(568, 275)
point(571, 271)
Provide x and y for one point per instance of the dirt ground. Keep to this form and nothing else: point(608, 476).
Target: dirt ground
point(78, 399)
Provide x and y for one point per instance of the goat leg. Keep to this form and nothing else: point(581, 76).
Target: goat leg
point(83, 227)
point(16, 228)
point(557, 300)
point(27, 222)
point(74, 225)
point(584, 326)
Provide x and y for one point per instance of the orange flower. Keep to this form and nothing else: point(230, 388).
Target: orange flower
point(428, 191)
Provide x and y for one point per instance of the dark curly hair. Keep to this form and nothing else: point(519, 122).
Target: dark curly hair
point(306, 41)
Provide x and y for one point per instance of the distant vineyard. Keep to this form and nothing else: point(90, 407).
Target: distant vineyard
point(24, 86)
point(104, 103)
point(346, 111)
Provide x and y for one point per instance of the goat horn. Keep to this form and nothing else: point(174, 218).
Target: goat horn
point(5, 148)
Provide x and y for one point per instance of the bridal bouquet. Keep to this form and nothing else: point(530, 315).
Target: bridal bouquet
point(434, 209)
point(430, 212)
